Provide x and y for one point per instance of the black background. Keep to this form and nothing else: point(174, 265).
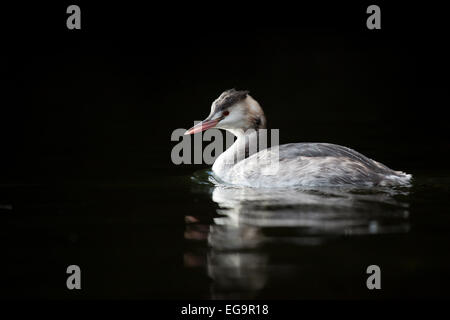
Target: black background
point(101, 102)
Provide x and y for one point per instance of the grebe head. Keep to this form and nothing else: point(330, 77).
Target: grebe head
point(235, 111)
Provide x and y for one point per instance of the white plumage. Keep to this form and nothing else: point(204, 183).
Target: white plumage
point(295, 164)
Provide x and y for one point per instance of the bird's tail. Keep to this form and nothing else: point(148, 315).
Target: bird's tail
point(399, 178)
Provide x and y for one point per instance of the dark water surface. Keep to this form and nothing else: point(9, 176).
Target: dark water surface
point(185, 236)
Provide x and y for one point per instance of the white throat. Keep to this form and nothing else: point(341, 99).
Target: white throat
point(245, 145)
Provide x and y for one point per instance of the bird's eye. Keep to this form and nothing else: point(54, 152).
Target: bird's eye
point(225, 113)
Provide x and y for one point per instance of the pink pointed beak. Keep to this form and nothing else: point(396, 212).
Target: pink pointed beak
point(202, 126)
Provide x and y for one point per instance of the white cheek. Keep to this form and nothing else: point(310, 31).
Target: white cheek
point(234, 120)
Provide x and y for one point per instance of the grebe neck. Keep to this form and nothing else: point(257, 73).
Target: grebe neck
point(246, 144)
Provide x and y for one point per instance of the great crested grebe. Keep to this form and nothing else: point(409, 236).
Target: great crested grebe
point(297, 164)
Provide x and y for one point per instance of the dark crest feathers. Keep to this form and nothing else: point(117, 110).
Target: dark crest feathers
point(229, 98)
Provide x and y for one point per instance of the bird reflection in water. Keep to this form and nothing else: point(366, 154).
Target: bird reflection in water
point(249, 221)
